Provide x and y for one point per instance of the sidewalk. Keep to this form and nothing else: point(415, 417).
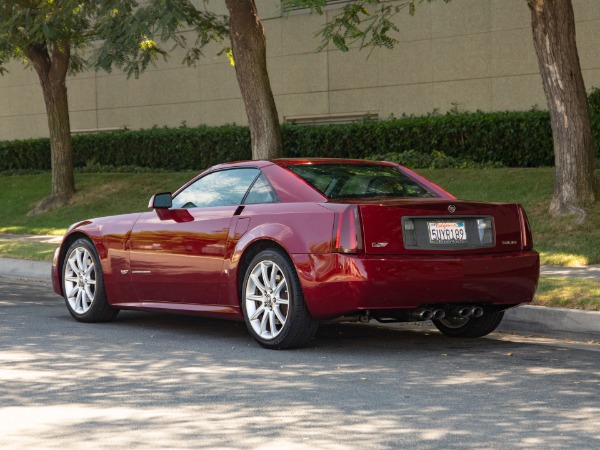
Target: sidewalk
point(45, 239)
point(592, 271)
point(578, 325)
point(38, 271)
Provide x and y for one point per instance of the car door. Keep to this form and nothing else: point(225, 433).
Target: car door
point(177, 254)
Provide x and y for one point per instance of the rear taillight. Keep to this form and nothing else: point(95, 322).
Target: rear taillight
point(526, 237)
point(347, 232)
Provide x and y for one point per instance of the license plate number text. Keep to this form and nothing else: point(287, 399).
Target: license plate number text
point(449, 232)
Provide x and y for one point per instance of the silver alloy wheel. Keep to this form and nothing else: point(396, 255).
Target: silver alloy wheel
point(80, 280)
point(267, 299)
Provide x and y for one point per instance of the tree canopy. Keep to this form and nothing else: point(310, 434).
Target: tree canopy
point(123, 34)
point(370, 23)
point(58, 37)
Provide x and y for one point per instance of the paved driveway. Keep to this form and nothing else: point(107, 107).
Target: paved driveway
point(148, 380)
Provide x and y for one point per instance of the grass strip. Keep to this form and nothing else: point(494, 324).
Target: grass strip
point(21, 249)
point(98, 194)
point(560, 241)
point(564, 292)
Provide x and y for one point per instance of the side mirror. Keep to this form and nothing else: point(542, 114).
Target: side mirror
point(160, 201)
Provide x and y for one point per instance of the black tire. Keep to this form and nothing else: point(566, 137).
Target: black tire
point(473, 327)
point(83, 284)
point(265, 305)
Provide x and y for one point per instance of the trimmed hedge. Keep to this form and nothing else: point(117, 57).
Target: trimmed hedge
point(433, 160)
point(594, 102)
point(165, 148)
point(31, 154)
point(522, 139)
point(514, 139)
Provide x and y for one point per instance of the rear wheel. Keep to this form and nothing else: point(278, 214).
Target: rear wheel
point(273, 304)
point(83, 284)
point(471, 327)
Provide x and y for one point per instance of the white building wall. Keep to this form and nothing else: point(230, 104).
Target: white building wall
point(468, 54)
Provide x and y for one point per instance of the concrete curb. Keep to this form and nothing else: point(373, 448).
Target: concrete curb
point(29, 270)
point(572, 324)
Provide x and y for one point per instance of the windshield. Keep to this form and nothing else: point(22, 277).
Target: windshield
point(337, 181)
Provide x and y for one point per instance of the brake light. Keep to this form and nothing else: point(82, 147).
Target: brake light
point(526, 236)
point(347, 232)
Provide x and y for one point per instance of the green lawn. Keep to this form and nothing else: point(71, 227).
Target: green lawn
point(99, 194)
point(560, 241)
point(36, 251)
point(562, 292)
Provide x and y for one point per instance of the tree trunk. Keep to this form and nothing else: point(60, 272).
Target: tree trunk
point(52, 72)
point(553, 25)
point(250, 57)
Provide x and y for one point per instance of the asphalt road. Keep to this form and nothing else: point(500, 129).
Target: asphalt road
point(149, 380)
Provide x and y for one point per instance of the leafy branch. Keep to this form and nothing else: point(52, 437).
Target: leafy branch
point(368, 23)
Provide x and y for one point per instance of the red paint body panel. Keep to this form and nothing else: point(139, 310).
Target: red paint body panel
point(302, 228)
point(382, 222)
point(189, 260)
point(335, 284)
point(180, 261)
point(110, 237)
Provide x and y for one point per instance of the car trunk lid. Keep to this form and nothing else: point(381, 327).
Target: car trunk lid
point(439, 226)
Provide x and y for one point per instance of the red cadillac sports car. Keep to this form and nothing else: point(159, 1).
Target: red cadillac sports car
point(283, 244)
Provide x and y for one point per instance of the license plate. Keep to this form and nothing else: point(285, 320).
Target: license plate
point(447, 232)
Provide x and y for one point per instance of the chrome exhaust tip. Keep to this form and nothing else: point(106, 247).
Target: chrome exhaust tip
point(477, 311)
point(464, 312)
point(423, 314)
point(438, 314)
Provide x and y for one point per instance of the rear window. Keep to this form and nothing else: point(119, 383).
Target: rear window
point(337, 181)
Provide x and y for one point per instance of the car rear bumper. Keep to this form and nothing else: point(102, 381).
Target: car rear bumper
point(336, 284)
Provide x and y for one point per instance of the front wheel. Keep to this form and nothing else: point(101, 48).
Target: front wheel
point(273, 304)
point(471, 327)
point(83, 284)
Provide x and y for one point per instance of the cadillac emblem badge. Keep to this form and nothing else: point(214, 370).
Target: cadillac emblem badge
point(451, 209)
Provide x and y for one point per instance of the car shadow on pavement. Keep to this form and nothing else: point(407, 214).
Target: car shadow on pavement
point(159, 380)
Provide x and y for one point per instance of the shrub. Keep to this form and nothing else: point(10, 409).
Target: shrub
point(594, 102)
point(514, 139)
point(521, 139)
point(433, 160)
point(164, 148)
point(28, 155)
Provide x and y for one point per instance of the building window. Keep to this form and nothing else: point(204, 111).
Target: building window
point(326, 119)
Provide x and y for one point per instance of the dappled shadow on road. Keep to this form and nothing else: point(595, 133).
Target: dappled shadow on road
point(174, 381)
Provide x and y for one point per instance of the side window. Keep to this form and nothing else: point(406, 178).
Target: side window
point(223, 188)
point(261, 192)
